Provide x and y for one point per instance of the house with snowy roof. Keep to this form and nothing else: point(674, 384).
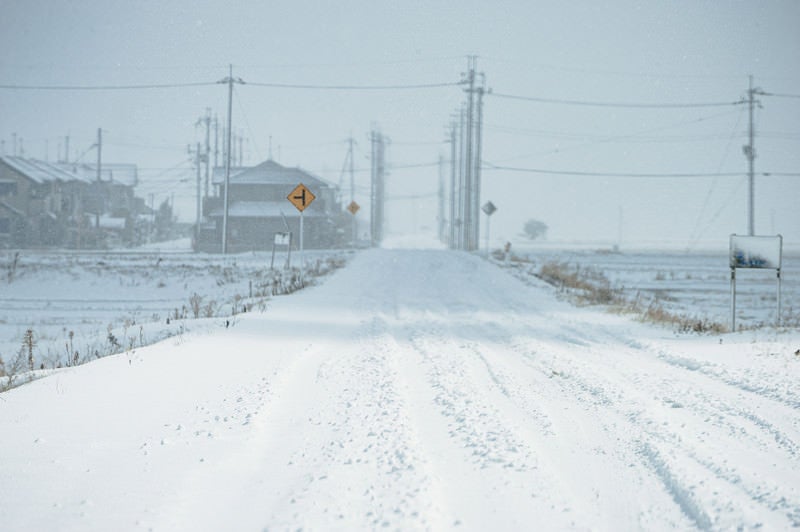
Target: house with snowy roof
point(45, 204)
point(258, 209)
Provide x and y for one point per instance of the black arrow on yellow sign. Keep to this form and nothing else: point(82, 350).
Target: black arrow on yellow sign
point(301, 197)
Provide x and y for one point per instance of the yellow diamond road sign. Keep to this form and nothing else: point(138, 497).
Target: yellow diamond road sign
point(353, 207)
point(301, 197)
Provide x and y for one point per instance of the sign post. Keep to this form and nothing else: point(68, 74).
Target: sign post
point(301, 197)
point(353, 208)
point(489, 209)
point(755, 252)
point(282, 239)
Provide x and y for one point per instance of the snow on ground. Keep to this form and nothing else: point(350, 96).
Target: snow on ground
point(414, 390)
point(72, 301)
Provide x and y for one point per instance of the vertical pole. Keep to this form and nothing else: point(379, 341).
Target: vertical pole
point(66, 149)
point(452, 239)
point(216, 141)
point(440, 199)
point(461, 178)
point(372, 166)
point(289, 252)
point(780, 261)
point(227, 165)
point(99, 175)
point(302, 256)
point(353, 190)
point(208, 149)
point(778, 313)
point(199, 207)
point(733, 299)
point(488, 222)
point(468, 164)
point(99, 152)
point(477, 178)
point(751, 156)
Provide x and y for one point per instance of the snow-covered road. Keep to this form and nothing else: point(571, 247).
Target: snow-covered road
point(413, 390)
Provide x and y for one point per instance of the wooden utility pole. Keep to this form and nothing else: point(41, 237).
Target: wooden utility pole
point(228, 152)
point(352, 187)
point(99, 176)
point(750, 153)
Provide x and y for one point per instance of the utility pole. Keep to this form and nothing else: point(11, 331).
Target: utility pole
point(99, 176)
point(197, 162)
point(468, 169)
point(352, 185)
point(216, 141)
point(461, 178)
point(750, 153)
point(99, 153)
point(453, 151)
point(14, 144)
point(66, 149)
point(230, 81)
point(440, 198)
point(377, 187)
point(206, 119)
point(476, 201)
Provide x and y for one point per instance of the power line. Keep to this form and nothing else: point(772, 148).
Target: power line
point(104, 87)
point(779, 95)
point(607, 139)
point(354, 87)
point(490, 166)
point(614, 104)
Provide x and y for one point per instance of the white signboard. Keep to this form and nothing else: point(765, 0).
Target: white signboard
point(756, 252)
point(283, 239)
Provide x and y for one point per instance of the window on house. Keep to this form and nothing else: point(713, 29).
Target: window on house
point(5, 226)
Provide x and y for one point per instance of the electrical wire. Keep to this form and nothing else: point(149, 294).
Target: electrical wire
point(777, 95)
point(696, 233)
point(490, 166)
point(105, 87)
point(614, 138)
point(247, 122)
point(614, 104)
point(354, 87)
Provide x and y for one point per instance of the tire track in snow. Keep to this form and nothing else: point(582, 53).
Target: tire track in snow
point(643, 388)
point(591, 461)
point(466, 423)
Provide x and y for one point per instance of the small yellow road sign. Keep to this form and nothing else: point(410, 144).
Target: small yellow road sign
point(353, 207)
point(301, 197)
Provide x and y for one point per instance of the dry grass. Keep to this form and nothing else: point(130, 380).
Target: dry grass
point(589, 286)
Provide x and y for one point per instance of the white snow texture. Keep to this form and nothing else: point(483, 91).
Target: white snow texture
point(413, 390)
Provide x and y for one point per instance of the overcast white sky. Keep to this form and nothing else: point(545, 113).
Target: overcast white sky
point(621, 51)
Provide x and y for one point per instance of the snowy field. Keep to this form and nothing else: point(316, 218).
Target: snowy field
point(695, 284)
point(82, 305)
point(411, 390)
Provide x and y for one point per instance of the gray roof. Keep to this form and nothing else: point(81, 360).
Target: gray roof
point(270, 173)
point(120, 173)
point(42, 172)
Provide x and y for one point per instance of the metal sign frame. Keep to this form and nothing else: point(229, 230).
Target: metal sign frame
point(301, 197)
point(277, 240)
point(760, 253)
point(488, 209)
